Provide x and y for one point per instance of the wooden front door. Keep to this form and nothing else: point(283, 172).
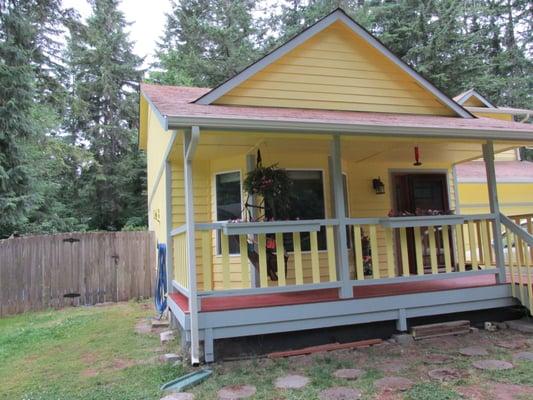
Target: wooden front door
point(417, 193)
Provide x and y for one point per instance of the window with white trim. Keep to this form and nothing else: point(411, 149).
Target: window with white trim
point(228, 204)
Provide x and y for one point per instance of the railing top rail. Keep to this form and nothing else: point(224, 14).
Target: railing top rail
point(517, 230)
point(236, 228)
point(179, 230)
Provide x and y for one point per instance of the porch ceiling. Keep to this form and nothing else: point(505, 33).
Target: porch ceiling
point(216, 145)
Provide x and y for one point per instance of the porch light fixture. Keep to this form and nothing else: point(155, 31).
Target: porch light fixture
point(417, 162)
point(378, 186)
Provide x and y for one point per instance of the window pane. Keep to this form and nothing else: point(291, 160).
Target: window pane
point(228, 195)
point(307, 203)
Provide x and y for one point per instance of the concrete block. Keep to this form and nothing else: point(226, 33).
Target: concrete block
point(166, 336)
point(159, 323)
point(403, 339)
point(524, 325)
point(170, 357)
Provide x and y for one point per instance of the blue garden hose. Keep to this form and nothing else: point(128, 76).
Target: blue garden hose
point(160, 296)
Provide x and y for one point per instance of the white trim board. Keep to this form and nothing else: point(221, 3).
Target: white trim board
point(335, 16)
point(461, 98)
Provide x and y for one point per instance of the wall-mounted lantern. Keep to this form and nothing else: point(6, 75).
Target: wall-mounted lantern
point(378, 186)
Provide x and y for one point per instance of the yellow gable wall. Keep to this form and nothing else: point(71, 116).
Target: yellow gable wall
point(473, 102)
point(336, 70)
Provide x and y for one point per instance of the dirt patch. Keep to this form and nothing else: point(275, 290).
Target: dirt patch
point(143, 327)
point(88, 358)
point(89, 373)
point(120, 363)
point(496, 391)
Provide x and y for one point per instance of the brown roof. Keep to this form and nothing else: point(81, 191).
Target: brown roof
point(177, 101)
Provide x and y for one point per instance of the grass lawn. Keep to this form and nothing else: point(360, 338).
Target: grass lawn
point(96, 353)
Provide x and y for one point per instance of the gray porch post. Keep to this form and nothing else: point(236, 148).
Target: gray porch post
point(190, 141)
point(250, 165)
point(488, 157)
point(170, 244)
point(341, 247)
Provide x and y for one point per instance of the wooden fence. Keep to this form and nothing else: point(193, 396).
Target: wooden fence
point(39, 272)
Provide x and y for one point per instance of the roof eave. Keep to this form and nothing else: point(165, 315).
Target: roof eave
point(272, 125)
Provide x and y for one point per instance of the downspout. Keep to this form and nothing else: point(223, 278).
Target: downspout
point(190, 143)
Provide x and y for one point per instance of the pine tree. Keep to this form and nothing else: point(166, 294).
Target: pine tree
point(207, 41)
point(104, 118)
point(17, 91)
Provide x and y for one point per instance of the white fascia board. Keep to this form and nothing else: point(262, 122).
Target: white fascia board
point(244, 124)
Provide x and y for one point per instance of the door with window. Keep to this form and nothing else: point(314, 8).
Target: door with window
point(418, 193)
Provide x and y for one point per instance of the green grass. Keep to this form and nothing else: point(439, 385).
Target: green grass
point(80, 353)
point(431, 391)
point(94, 353)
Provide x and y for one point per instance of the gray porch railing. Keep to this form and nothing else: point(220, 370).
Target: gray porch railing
point(518, 248)
point(286, 256)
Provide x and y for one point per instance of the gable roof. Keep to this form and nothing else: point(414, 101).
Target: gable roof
point(336, 16)
point(472, 93)
point(176, 109)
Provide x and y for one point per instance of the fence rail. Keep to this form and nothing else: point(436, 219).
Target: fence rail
point(39, 272)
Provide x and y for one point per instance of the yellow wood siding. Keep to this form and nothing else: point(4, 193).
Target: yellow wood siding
point(473, 102)
point(503, 117)
point(157, 142)
point(514, 197)
point(336, 70)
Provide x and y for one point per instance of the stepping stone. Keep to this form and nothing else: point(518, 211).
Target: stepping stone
point(492, 365)
point(179, 396)
point(291, 382)
point(512, 344)
point(437, 359)
point(444, 374)
point(473, 351)
point(236, 392)
point(524, 356)
point(159, 323)
point(166, 336)
point(393, 384)
point(348, 373)
point(169, 357)
point(340, 393)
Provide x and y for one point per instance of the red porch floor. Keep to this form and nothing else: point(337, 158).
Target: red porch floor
point(322, 295)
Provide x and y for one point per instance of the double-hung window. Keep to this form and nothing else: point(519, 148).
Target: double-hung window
point(228, 204)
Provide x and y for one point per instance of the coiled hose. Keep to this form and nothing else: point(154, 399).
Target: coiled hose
point(160, 296)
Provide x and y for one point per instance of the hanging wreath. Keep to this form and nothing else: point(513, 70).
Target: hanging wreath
point(274, 186)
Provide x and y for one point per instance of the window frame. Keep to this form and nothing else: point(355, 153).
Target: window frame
point(324, 192)
point(218, 251)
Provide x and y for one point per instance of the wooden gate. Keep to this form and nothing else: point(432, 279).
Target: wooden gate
point(38, 272)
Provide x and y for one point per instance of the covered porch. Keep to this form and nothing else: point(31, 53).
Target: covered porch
point(361, 259)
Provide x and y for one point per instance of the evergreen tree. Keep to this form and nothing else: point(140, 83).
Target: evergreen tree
point(17, 91)
point(207, 41)
point(104, 119)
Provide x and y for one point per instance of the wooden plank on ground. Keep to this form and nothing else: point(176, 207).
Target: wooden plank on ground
point(440, 329)
point(325, 347)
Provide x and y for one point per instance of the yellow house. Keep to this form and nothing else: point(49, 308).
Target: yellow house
point(514, 176)
point(366, 147)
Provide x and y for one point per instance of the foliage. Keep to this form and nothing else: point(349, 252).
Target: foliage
point(104, 118)
point(431, 391)
point(207, 41)
point(273, 185)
